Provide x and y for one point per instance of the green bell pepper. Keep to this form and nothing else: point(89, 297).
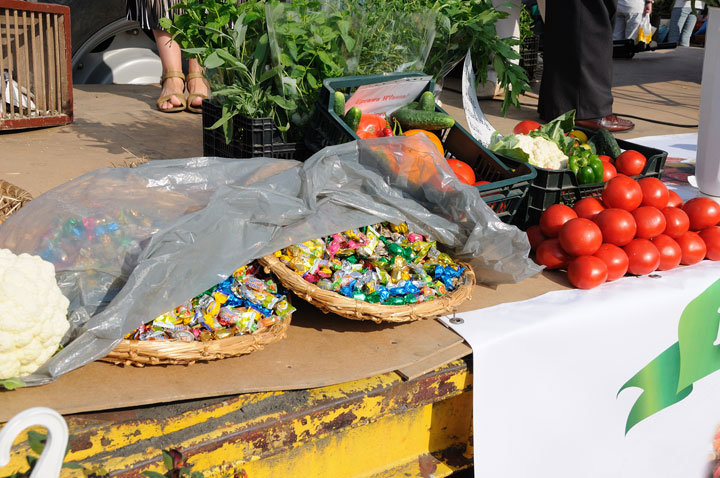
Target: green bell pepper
point(586, 175)
point(588, 168)
point(597, 165)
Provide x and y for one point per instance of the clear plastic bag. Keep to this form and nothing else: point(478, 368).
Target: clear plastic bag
point(645, 32)
point(393, 42)
point(309, 42)
point(130, 244)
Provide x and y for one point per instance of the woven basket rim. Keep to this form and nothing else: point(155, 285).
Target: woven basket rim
point(332, 302)
point(16, 196)
point(177, 352)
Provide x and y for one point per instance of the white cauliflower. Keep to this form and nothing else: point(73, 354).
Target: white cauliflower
point(33, 313)
point(543, 152)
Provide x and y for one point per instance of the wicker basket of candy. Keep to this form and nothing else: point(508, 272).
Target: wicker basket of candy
point(236, 317)
point(382, 273)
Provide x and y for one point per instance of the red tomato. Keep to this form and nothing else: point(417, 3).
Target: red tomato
point(711, 238)
point(655, 193)
point(650, 222)
point(674, 199)
point(617, 226)
point(630, 162)
point(370, 126)
point(588, 208)
point(703, 212)
point(605, 158)
point(554, 217)
point(535, 236)
point(643, 257)
point(524, 127)
point(586, 272)
point(670, 252)
point(551, 255)
point(693, 248)
point(481, 183)
point(462, 170)
point(609, 171)
point(622, 192)
point(580, 237)
point(677, 222)
point(615, 259)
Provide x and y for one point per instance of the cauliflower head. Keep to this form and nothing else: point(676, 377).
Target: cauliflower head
point(543, 152)
point(33, 313)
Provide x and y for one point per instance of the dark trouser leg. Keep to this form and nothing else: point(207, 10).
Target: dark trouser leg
point(577, 72)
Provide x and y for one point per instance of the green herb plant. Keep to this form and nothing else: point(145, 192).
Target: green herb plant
point(230, 40)
point(470, 24)
point(398, 38)
point(526, 23)
point(309, 42)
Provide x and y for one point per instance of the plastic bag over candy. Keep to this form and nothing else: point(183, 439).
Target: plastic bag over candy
point(185, 225)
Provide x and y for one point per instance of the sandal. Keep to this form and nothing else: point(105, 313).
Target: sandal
point(191, 97)
point(166, 98)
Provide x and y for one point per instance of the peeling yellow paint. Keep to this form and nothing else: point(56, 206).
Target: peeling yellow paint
point(362, 428)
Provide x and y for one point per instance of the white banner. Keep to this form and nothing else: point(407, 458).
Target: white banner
point(548, 397)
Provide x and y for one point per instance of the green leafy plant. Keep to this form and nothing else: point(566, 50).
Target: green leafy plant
point(176, 465)
point(526, 23)
point(230, 40)
point(12, 383)
point(459, 25)
point(400, 38)
point(309, 42)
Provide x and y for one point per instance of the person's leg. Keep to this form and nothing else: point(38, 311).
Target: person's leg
point(675, 25)
point(633, 25)
point(171, 59)
point(196, 86)
point(619, 27)
point(687, 28)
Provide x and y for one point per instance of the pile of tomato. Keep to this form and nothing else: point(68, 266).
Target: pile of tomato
point(637, 228)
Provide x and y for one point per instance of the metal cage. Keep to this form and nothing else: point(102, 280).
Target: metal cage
point(35, 65)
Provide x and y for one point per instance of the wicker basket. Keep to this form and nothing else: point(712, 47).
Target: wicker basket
point(175, 352)
point(329, 301)
point(12, 198)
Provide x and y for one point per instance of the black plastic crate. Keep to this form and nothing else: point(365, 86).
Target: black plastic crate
point(509, 183)
point(252, 137)
point(529, 51)
point(561, 187)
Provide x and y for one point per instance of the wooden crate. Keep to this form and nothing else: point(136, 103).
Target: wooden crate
point(35, 65)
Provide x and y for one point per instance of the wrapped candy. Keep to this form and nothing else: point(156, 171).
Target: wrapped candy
point(383, 263)
point(241, 304)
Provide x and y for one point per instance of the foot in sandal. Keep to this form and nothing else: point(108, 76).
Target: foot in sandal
point(198, 90)
point(172, 98)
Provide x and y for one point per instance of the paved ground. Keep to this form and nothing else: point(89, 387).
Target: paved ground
point(116, 124)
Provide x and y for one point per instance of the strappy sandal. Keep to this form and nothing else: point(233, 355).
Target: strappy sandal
point(191, 97)
point(166, 98)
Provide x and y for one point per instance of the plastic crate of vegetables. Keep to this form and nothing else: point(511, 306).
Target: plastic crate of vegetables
point(503, 185)
point(577, 176)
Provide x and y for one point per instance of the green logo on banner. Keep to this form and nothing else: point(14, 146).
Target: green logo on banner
point(670, 376)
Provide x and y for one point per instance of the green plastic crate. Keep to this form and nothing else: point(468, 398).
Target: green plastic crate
point(509, 183)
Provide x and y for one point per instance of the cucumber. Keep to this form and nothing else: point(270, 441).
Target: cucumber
point(428, 120)
point(352, 118)
point(411, 106)
point(605, 144)
point(427, 101)
point(339, 107)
